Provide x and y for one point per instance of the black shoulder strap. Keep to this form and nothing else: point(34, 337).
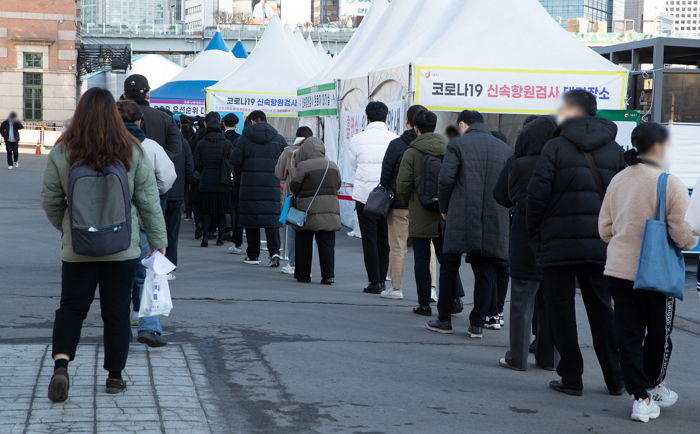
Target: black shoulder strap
point(600, 186)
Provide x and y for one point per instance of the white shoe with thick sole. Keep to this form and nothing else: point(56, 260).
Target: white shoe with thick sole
point(10, 167)
point(16, 164)
point(171, 276)
point(663, 396)
point(643, 412)
point(287, 270)
point(251, 261)
point(235, 250)
point(391, 293)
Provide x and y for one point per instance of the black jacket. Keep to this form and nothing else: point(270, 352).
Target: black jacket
point(208, 158)
point(255, 156)
point(562, 199)
point(392, 162)
point(184, 167)
point(161, 128)
point(518, 172)
point(5, 129)
point(476, 224)
point(233, 137)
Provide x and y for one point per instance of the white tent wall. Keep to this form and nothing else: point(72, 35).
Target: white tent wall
point(684, 156)
point(391, 86)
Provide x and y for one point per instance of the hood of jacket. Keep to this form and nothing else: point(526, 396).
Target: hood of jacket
point(135, 131)
point(588, 133)
point(408, 136)
point(312, 148)
point(534, 136)
point(260, 133)
point(431, 144)
point(213, 136)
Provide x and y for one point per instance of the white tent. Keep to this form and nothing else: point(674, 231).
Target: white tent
point(184, 93)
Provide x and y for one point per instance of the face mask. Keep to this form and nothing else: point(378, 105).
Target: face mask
point(560, 119)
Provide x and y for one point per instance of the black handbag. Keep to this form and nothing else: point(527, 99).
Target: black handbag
point(226, 170)
point(379, 203)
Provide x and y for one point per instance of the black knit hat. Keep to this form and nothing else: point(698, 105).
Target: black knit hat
point(136, 84)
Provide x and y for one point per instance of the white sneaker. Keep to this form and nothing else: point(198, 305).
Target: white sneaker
point(10, 167)
point(287, 270)
point(643, 412)
point(16, 164)
point(235, 250)
point(391, 293)
point(171, 276)
point(249, 261)
point(663, 396)
point(433, 295)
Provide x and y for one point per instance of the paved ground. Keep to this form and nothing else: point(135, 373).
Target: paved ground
point(254, 352)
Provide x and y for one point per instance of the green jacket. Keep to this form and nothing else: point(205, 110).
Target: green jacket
point(422, 223)
point(144, 196)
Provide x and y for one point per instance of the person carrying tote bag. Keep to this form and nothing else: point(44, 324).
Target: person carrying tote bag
point(317, 214)
point(642, 217)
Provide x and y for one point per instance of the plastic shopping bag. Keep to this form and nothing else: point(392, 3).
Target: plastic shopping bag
point(155, 297)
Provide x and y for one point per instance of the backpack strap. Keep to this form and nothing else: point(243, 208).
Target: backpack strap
point(597, 178)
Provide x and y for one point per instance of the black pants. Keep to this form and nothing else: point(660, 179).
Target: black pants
point(375, 245)
point(304, 251)
point(559, 287)
point(12, 152)
point(173, 218)
point(643, 321)
point(78, 283)
point(421, 268)
point(272, 235)
point(484, 285)
point(499, 295)
point(210, 223)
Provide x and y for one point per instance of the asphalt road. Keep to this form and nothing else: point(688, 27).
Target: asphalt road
point(282, 357)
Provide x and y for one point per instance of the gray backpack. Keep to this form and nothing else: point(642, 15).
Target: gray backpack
point(99, 206)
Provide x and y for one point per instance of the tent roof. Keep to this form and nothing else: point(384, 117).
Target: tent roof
point(182, 90)
point(274, 66)
point(217, 43)
point(239, 50)
point(517, 43)
point(156, 68)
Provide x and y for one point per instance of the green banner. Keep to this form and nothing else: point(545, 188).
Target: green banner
point(621, 115)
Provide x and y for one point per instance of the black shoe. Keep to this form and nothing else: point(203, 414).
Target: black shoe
point(275, 261)
point(423, 310)
point(115, 386)
point(198, 232)
point(457, 307)
point(219, 242)
point(617, 390)
point(383, 285)
point(373, 288)
point(205, 242)
point(438, 326)
point(59, 385)
point(328, 281)
point(151, 339)
point(475, 332)
point(492, 323)
point(533, 347)
point(560, 387)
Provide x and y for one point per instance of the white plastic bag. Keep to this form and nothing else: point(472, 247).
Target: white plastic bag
point(155, 296)
point(692, 216)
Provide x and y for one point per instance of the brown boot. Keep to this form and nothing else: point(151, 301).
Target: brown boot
point(59, 385)
point(115, 386)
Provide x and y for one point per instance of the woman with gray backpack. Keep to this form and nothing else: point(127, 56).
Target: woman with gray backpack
point(97, 181)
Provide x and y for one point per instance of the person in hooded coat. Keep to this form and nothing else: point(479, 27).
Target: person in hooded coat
point(214, 196)
point(259, 207)
point(564, 198)
point(526, 278)
point(315, 184)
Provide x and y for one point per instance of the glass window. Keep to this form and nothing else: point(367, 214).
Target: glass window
point(33, 90)
point(681, 93)
point(33, 60)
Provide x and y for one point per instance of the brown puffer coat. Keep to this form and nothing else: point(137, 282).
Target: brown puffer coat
point(324, 214)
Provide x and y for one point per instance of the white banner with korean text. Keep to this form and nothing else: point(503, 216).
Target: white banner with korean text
point(274, 105)
point(512, 90)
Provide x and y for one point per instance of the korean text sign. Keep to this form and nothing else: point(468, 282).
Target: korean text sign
point(513, 91)
point(275, 105)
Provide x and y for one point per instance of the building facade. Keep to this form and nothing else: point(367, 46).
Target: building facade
point(686, 15)
point(649, 16)
point(38, 59)
point(591, 11)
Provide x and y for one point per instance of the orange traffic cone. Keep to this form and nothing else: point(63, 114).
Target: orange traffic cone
point(37, 150)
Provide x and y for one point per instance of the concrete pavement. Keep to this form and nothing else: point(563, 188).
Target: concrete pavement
point(254, 352)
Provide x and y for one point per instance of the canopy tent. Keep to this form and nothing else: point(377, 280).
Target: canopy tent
point(239, 50)
point(184, 94)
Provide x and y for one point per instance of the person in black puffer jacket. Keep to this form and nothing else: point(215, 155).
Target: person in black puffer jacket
point(397, 220)
point(214, 196)
point(526, 277)
point(259, 202)
point(564, 198)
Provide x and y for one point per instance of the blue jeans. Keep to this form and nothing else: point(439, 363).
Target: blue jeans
point(147, 323)
point(291, 239)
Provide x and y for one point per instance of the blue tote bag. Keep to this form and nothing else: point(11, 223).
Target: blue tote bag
point(661, 265)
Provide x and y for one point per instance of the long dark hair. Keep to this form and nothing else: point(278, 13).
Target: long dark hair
point(97, 136)
point(644, 137)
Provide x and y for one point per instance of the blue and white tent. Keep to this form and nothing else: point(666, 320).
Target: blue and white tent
point(184, 94)
point(239, 50)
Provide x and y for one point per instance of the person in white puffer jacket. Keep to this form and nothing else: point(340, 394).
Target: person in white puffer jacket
point(367, 151)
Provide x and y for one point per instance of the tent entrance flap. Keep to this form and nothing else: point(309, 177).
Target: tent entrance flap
point(515, 91)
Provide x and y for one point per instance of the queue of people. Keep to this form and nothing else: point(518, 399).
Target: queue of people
point(567, 206)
